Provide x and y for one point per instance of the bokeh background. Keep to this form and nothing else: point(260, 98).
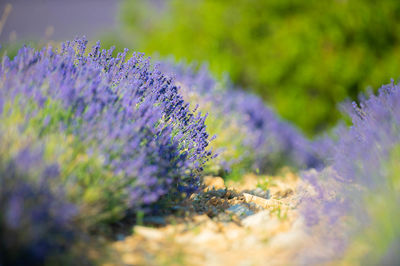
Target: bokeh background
point(301, 57)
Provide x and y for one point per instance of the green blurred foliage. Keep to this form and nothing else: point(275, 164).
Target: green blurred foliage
point(303, 57)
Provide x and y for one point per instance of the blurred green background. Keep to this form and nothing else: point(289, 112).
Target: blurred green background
point(302, 56)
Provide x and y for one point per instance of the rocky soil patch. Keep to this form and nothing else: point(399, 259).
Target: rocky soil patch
point(252, 222)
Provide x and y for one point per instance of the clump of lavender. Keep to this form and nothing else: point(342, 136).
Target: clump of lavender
point(356, 199)
point(36, 221)
point(120, 132)
point(250, 136)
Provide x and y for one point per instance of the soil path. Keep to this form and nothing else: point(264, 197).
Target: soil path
point(252, 222)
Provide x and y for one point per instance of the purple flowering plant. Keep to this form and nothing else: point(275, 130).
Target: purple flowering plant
point(122, 136)
point(356, 198)
point(36, 220)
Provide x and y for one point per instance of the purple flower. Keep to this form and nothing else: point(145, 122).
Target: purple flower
point(126, 110)
point(36, 220)
point(360, 172)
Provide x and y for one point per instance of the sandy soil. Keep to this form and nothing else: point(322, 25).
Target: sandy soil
point(252, 222)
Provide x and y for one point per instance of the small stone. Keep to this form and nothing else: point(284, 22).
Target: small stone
point(120, 237)
point(260, 193)
point(288, 239)
point(130, 259)
point(156, 220)
point(213, 183)
point(148, 233)
point(261, 201)
point(233, 232)
point(120, 246)
point(257, 220)
point(284, 193)
point(230, 194)
point(224, 217)
point(240, 210)
point(208, 237)
point(201, 218)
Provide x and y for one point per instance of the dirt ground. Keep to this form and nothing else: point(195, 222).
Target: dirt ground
point(252, 222)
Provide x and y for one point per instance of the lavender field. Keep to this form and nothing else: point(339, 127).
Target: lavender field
point(111, 157)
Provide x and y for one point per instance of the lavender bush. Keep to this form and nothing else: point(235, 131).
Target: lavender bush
point(36, 220)
point(118, 129)
point(250, 136)
point(356, 199)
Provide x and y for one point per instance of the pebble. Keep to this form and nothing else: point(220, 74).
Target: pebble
point(240, 210)
point(208, 236)
point(224, 217)
point(257, 220)
point(148, 233)
point(261, 201)
point(284, 193)
point(120, 237)
point(201, 218)
point(156, 220)
point(260, 193)
point(288, 239)
point(212, 182)
point(130, 259)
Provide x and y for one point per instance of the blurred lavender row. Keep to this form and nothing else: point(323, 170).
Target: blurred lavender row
point(353, 209)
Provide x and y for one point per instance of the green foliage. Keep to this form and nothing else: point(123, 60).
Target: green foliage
point(302, 56)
